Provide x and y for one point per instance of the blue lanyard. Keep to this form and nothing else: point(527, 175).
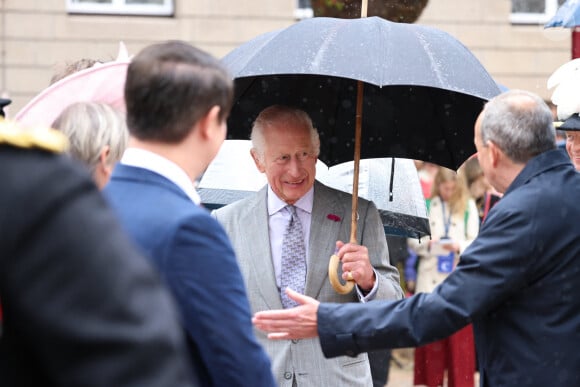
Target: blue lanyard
point(446, 220)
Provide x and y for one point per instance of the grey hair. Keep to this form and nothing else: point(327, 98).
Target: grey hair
point(89, 127)
point(280, 114)
point(520, 124)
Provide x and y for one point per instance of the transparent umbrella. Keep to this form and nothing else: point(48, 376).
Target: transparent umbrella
point(392, 184)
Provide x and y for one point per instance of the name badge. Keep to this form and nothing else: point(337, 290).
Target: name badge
point(445, 263)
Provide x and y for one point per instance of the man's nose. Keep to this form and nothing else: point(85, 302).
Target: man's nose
point(294, 166)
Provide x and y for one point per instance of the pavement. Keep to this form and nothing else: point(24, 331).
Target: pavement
point(400, 377)
point(401, 368)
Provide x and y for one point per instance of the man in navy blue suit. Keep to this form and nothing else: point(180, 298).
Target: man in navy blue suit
point(178, 98)
point(517, 283)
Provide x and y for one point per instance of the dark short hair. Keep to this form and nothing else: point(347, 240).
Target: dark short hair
point(170, 86)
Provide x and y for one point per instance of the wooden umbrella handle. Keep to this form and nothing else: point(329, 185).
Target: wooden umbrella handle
point(333, 277)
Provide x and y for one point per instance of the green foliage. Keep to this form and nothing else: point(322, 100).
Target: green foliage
point(402, 11)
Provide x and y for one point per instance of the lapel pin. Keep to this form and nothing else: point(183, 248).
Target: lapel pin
point(333, 217)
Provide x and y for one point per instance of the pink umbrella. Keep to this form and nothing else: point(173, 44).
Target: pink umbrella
point(100, 83)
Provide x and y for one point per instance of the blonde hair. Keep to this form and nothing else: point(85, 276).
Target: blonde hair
point(460, 196)
point(90, 126)
point(471, 170)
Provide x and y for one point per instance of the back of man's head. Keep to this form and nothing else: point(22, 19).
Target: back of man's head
point(520, 124)
point(170, 86)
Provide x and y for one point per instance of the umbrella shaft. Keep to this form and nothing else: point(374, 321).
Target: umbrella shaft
point(359, 100)
point(357, 145)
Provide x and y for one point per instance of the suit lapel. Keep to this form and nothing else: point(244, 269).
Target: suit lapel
point(324, 233)
point(260, 251)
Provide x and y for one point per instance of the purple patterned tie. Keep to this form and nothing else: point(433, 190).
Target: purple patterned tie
point(293, 273)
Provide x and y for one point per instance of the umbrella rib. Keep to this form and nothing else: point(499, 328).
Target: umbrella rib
point(315, 65)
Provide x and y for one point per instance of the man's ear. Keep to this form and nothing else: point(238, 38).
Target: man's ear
point(495, 154)
point(103, 169)
point(257, 161)
point(209, 122)
point(104, 156)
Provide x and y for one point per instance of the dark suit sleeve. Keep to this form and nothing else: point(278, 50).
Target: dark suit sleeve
point(491, 270)
point(208, 285)
point(81, 307)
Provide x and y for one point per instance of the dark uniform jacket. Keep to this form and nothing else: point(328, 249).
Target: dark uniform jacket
point(80, 306)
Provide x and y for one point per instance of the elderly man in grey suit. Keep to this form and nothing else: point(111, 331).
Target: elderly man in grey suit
point(284, 235)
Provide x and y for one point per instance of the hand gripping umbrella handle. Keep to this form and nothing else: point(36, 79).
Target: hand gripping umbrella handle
point(333, 277)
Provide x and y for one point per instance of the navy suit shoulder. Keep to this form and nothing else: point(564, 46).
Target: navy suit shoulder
point(72, 286)
point(196, 259)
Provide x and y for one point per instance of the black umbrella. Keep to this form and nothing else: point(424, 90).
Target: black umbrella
point(423, 88)
point(413, 91)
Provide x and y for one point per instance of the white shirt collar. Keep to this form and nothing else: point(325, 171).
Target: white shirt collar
point(142, 158)
point(275, 204)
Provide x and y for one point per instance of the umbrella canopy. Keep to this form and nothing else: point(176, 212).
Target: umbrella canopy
point(393, 185)
point(231, 176)
point(394, 188)
point(100, 83)
point(422, 94)
point(567, 16)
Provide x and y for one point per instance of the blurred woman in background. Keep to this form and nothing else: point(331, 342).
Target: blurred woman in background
point(97, 134)
point(481, 191)
point(454, 222)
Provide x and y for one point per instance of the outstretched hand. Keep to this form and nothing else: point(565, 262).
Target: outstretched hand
point(299, 322)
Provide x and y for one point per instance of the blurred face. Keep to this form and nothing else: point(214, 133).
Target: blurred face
point(446, 190)
point(573, 147)
point(478, 187)
point(289, 161)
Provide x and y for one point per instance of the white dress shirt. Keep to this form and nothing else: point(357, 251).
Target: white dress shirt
point(145, 159)
point(278, 218)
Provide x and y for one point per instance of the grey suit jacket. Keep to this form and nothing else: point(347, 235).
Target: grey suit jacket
point(246, 223)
